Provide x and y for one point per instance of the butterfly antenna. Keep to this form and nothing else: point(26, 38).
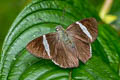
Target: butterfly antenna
point(63, 15)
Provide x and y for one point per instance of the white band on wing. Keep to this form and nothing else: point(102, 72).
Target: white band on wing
point(84, 29)
point(90, 50)
point(46, 45)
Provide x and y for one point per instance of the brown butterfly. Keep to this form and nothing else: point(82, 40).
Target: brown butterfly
point(66, 47)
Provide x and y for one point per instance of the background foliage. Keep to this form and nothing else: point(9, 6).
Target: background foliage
point(9, 9)
point(40, 17)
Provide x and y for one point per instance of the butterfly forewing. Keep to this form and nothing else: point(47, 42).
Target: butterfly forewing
point(85, 30)
point(36, 48)
point(52, 39)
point(42, 46)
point(91, 25)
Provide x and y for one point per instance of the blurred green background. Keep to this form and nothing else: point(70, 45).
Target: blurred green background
point(9, 9)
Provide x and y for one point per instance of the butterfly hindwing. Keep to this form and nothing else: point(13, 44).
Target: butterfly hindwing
point(65, 57)
point(83, 50)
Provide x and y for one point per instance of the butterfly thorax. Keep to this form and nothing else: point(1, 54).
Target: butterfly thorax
point(63, 36)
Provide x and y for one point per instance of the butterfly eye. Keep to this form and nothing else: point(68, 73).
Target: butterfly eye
point(57, 29)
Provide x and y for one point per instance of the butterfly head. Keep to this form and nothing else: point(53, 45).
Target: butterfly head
point(59, 28)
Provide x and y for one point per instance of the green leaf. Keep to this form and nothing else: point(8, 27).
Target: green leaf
point(41, 17)
point(8, 12)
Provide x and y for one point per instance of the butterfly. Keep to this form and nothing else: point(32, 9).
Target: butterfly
point(66, 47)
